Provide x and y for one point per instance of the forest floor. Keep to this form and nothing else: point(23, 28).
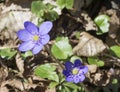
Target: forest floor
point(16, 73)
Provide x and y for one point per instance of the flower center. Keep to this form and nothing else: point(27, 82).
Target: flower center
point(35, 38)
point(75, 71)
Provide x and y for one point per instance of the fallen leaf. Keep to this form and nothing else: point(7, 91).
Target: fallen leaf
point(92, 68)
point(4, 89)
point(12, 17)
point(89, 24)
point(88, 45)
point(19, 63)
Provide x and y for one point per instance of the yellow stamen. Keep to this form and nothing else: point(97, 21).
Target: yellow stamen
point(36, 38)
point(75, 71)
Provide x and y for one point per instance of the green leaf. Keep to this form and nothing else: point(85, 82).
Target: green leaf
point(71, 85)
point(102, 21)
point(65, 3)
point(53, 84)
point(73, 58)
point(114, 81)
point(38, 8)
point(69, 4)
point(115, 50)
point(61, 3)
point(27, 54)
point(96, 61)
point(106, 89)
point(67, 89)
point(47, 71)
point(61, 49)
point(7, 53)
point(51, 15)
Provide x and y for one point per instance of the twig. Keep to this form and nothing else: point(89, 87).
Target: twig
point(116, 59)
point(8, 47)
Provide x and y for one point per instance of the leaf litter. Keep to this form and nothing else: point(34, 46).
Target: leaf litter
point(14, 71)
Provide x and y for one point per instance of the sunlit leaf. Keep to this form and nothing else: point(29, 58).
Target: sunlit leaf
point(47, 71)
point(96, 61)
point(65, 3)
point(27, 54)
point(61, 3)
point(102, 21)
point(73, 58)
point(61, 49)
point(7, 53)
point(114, 81)
point(69, 4)
point(70, 85)
point(115, 50)
point(53, 84)
point(37, 7)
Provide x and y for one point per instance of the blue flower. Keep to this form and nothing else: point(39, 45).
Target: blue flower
point(75, 72)
point(33, 37)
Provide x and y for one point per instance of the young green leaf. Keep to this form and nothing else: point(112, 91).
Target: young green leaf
point(61, 49)
point(114, 81)
point(115, 50)
point(47, 71)
point(69, 4)
point(70, 85)
point(96, 61)
point(61, 3)
point(7, 53)
point(27, 54)
point(50, 15)
point(53, 84)
point(102, 21)
point(65, 3)
point(73, 58)
point(44, 11)
point(37, 7)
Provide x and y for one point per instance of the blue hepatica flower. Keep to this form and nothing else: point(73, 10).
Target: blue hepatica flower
point(33, 37)
point(75, 72)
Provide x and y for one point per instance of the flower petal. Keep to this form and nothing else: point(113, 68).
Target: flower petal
point(69, 65)
point(25, 46)
point(76, 79)
point(24, 35)
point(45, 27)
point(82, 77)
point(32, 28)
point(66, 73)
point(37, 48)
point(77, 63)
point(69, 78)
point(84, 69)
point(45, 39)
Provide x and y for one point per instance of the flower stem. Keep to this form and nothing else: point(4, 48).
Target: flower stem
point(86, 90)
point(54, 59)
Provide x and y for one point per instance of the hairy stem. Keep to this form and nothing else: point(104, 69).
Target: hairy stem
point(54, 59)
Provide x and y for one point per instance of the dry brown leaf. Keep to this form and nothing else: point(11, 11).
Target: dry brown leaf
point(12, 17)
point(19, 84)
point(3, 73)
point(19, 63)
point(88, 45)
point(4, 89)
point(92, 68)
point(114, 22)
point(89, 24)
